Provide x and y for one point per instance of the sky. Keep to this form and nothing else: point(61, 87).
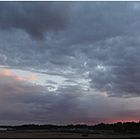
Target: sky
point(69, 62)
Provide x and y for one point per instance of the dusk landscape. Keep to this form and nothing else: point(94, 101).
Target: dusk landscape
point(70, 63)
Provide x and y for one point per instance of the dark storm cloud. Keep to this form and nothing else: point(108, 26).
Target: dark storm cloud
point(34, 18)
point(96, 21)
point(118, 73)
point(86, 20)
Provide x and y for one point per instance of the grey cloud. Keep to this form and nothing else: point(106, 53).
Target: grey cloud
point(119, 75)
point(24, 102)
point(36, 18)
point(95, 41)
point(97, 34)
point(96, 21)
point(85, 21)
point(131, 113)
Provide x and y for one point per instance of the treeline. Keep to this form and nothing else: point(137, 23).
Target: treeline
point(116, 127)
point(120, 126)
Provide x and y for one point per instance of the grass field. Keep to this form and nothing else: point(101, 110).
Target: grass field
point(46, 134)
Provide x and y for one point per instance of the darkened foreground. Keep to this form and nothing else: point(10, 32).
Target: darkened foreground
point(116, 130)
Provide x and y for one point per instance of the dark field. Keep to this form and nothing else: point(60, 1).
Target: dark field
point(45, 134)
point(116, 130)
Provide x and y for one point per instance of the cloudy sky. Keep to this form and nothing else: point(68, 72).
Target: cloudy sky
point(69, 62)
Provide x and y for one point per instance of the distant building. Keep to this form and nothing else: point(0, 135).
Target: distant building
point(3, 129)
point(10, 128)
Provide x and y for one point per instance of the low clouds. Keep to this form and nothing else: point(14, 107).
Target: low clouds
point(24, 102)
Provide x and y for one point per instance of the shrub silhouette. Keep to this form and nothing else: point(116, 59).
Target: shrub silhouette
point(120, 127)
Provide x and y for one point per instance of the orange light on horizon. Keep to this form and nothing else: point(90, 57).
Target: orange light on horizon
point(128, 119)
point(32, 77)
point(6, 72)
